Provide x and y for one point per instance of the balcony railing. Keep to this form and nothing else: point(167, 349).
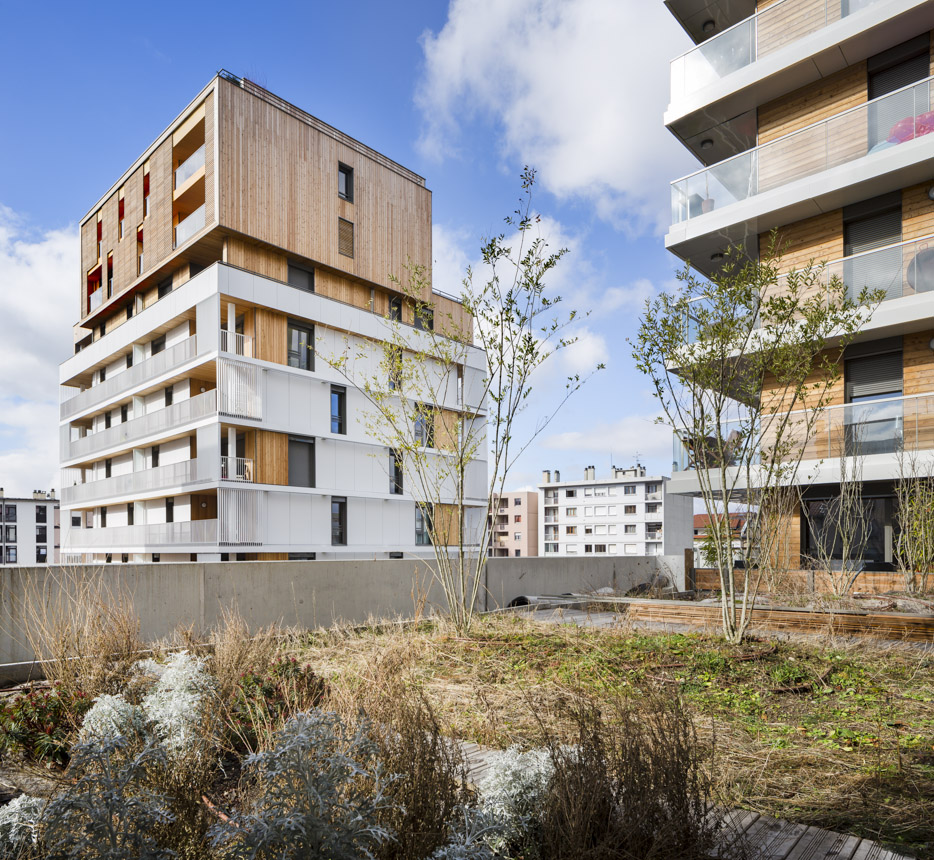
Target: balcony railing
point(236, 469)
point(653, 497)
point(860, 132)
point(184, 230)
point(131, 431)
point(156, 535)
point(162, 362)
point(884, 425)
point(189, 167)
point(550, 519)
point(96, 299)
point(237, 344)
point(771, 28)
point(172, 475)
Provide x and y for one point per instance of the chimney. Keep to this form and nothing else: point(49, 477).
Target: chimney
point(557, 476)
point(589, 473)
point(546, 476)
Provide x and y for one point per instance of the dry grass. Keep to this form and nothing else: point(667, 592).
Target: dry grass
point(820, 731)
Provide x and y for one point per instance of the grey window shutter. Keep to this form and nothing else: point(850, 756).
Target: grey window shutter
point(874, 376)
point(881, 270)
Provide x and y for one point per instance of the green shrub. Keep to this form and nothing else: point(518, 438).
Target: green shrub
point(40, 724)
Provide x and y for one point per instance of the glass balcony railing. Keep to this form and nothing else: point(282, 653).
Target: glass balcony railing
point(710, 450)
point(902, 269)
point(885, 425)
point(189, 167)
point(191, 225)
point(860, 132)
point(773, 27)
point(96, 299)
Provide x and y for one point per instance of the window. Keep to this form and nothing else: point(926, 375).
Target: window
point(611, 511)
point(301, 277)
point(570, 530)
point(156, 557)
point(517, 535)
point(630, 548)
point(588, 530)
point(871, 225)
point(129, 314)
point(169, 395)
point(394, 360)
point(10, 536)
point(301, 462)
point(395, 472)
point(107, 420)
point(76, 521)
point(570, 512)
point(338, 409)
point(425, 426)
point(516, 503)
point(552, 547)
point(9, 513)
point(599, 547)
point(157, 345)
point(651, 508)
point(588, 491)
point(120, 213)
point(164, 288)
point(599, 530)
point(155, 456)
point(891, 70)
point(629, 510)
point(422, 525)
point(124, 413)
point(599, 511)
point(345, 182)
point(102, 373)
point(103, 518)
point(629, 490)
point(131, 514)
point(570, 494)
point(140, 257)
point(588, 547)
point(572, 548)
point(301, 345)
point(42, 514)
point(517, 518)
point(108, 467)
point(395, 309)
point(345, 237)
point(338, 521)
point(599, 491)
point(651, 488)
point(629, 529)
point(873, 372)
point(110, 275)
point(125, 557)
point(42, 534)
point(611, 548)
point(424, 318)
point(145, 192)
point(42, 554)
point(129, 355)
point(11, 555)
point(170, 510)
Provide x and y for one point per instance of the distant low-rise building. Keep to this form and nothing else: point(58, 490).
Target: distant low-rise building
point(514, 525)
point(628, 513)
point(29, 529)
point(701, 529)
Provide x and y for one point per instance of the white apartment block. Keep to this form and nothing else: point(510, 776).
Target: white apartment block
point(29, 530)
point(628, 513)
point(201, 417)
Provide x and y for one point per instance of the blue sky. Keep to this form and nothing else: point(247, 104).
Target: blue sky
point(464, 93)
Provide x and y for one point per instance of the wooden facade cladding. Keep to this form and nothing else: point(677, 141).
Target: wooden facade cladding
point(255, 258)
point(270, 332)
point(271, 458)
point(278, 184)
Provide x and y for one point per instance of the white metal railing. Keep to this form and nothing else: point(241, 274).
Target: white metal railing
point(236, 469)
point(184, 230)
point(236, 343)
point(238, 385)
point(171, 475)
point(189, 167)
point(653, 497)
point(549, 519)
point(167, 535)
point(859, 132)
point(168, 359)
point(777, 25)
point(169, 418)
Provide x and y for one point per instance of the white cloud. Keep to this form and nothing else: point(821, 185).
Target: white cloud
point(38, 305)
point(576, 88)
point(586, 352)
point(630, 438)
point(449, 259)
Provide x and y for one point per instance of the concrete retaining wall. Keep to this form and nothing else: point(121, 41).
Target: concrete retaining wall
point(303, 594)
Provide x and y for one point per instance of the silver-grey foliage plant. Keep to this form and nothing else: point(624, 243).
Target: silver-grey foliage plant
point(319, 791)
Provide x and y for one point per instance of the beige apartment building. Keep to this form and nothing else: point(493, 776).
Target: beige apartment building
point(815, 118)
point(201, 418)
point(514, 525)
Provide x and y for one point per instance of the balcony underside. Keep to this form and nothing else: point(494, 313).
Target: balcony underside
point(695, 240)
point(815, 56)
point(692, 14)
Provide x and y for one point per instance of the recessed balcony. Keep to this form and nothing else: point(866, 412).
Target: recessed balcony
point(188, 168)
point(187, 227)
point(236, 469)
point(236, 344)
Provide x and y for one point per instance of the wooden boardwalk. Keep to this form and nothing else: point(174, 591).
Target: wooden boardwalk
point(769, 838)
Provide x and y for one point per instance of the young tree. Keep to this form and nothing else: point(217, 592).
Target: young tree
point(450, 387)
point(742, 366)
point(914, 495)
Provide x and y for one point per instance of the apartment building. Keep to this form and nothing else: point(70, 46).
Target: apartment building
point(702, 530)
point(513, 525)
point(628, 513)
point(814, 118)
point(29, 529)
point(224, 271)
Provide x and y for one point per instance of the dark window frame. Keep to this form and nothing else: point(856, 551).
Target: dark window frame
point(308, 329)
point(339, 418)
point(307, 441)
point(345, 172)
point(298, 273)
point(338, 521)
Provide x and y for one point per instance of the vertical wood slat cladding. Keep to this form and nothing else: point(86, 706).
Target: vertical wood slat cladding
point(815, 102)
point(272, 458)
point(793, 20)
point(446, 524)
point(278, 183)
point(133, 217)
point(786, 553)
point(158, 233)
point(452, 319)
point(255, 258)
point(918, 378)
point(270, 343)
point(88, 258)
point(209, 132)
point(333, 286)
point(917, 212)
point(446, 430)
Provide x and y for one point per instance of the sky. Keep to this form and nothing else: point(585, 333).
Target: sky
point(465, 93)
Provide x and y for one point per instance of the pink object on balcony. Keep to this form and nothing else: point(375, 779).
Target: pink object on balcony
point(911, 127)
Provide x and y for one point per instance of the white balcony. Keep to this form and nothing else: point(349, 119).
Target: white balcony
point(184, 230)
point(189, 167)
point(160, 421)
point(164, 536)
point(163, 362)
point(95, 299)
point(236, 469)
point(133, 483)
point(236, 344)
